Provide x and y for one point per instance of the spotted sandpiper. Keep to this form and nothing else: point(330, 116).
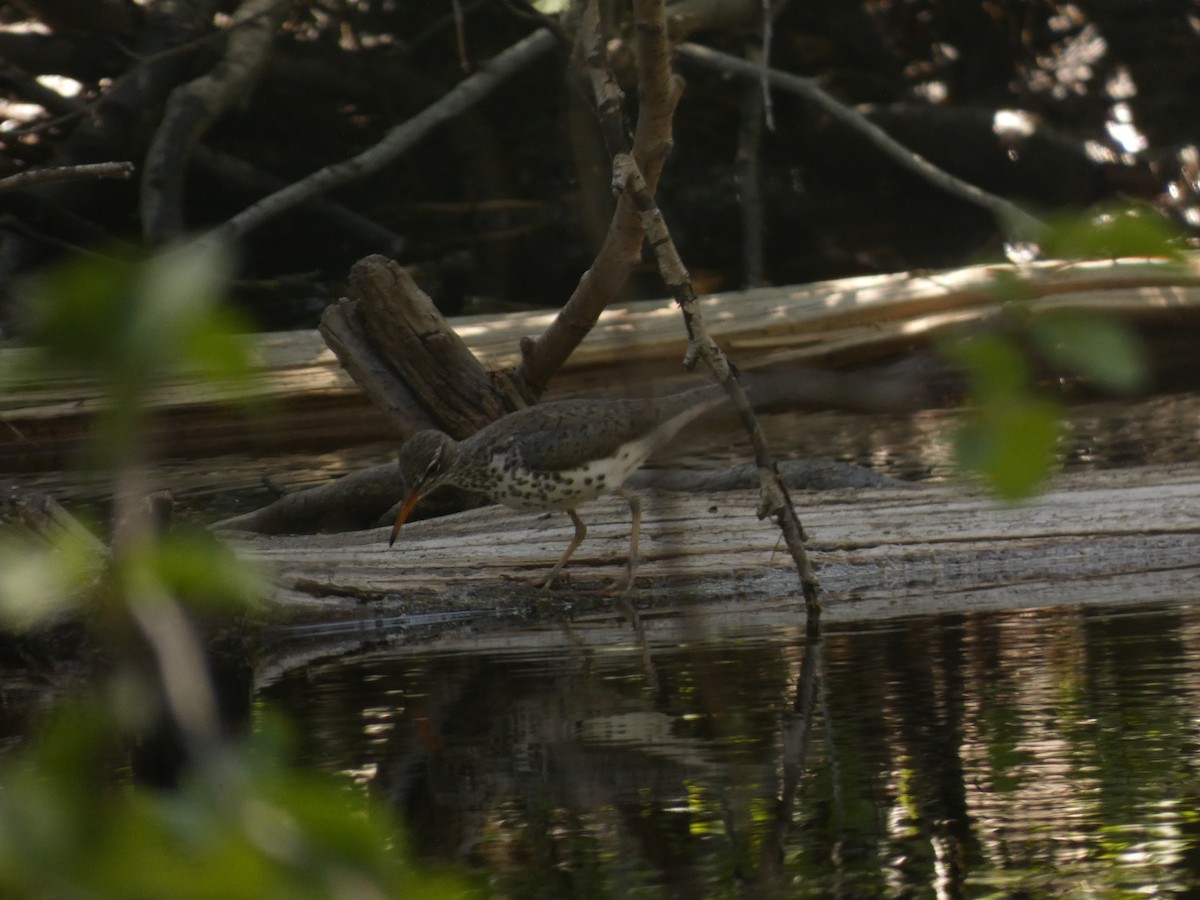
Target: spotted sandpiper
point(554, 456)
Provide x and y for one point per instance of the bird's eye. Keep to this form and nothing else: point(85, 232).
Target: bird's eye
point(434, 467)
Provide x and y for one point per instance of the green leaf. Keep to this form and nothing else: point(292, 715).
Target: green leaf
point(1112, 233)
point(177, 291)
point(193, 567)
point(126, 321)
point(1095, 347)
point(994, 366)
point(247, 825)
point(40, 583)
point(79, 312)
point(129, 323)
point(215, 349)
point(1012, 445)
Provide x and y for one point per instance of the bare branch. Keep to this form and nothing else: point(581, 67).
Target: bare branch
point(775, 500)
point(650, 18)
point(748, 176)
point(622, 246)
point(195, 106)
point(34, 177)
point(235, 170)
point(1014, 222)
point(465, 94)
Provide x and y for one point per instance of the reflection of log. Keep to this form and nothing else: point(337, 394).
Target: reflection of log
point(1101, 537)
point(312, 404)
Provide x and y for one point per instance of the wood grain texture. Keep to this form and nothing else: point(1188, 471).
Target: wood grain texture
point(302, 393)
point(1099, 537)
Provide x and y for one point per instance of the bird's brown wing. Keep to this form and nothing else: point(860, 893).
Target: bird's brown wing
point(569, 433)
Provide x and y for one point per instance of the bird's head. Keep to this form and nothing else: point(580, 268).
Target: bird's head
point(424, 465)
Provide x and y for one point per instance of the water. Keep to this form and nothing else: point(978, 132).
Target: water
point(1019, 754)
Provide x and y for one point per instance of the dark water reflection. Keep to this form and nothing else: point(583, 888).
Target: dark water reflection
point(1038, 753)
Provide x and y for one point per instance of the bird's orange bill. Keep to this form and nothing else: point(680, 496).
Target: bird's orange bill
point(409, 502)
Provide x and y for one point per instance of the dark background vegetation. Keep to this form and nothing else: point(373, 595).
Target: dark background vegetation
point(507, 204)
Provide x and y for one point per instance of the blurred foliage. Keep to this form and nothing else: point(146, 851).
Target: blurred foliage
point(191, 566)
point(40, 582)
point(1100, 350)
point(242, 823)
point(130, 321)
point(1110, 233)
point(124, 319)
point(1011, 433)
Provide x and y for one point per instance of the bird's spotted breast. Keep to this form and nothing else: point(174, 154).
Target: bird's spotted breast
point(522, 488)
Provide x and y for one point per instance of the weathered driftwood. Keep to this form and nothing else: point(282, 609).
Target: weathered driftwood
point(1103, 537)
point(310, 403)
point(407, 359)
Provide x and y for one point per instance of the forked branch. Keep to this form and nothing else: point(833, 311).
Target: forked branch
point(622, 247)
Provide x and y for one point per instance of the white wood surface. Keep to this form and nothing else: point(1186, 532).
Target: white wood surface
point(1102, 537)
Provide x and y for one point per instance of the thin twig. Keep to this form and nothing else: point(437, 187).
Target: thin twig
point(747, 175)
point(797, 739)
point(460, 36)
point(231, 169)
point(774, 499)
point(764, 63)
point(35, 177)
point(1014, 222)
point(655, 76)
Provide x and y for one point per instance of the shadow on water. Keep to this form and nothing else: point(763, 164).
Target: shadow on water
point(1031, 753)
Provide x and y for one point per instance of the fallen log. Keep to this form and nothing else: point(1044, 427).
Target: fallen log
point(303, 399)
point(1095, 537)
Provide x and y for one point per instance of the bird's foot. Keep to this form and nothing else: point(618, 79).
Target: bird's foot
point(544, 584)
point(624, 583)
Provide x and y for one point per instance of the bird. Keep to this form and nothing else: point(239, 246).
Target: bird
point(554, 456)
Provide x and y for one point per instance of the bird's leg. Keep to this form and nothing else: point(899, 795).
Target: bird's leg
point(580, 534)
point(635, 509)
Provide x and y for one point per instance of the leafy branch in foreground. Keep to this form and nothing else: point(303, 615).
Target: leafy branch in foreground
point(1011, 434)
point(240, 822)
